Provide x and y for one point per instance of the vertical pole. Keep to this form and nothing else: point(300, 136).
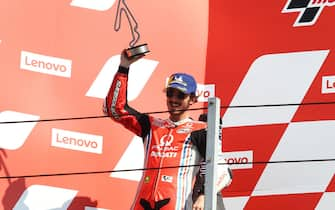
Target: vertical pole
point(212, 144)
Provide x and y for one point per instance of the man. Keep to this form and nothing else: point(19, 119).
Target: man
point(171, 145)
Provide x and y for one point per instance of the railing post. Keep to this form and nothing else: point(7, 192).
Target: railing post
point(213, 126)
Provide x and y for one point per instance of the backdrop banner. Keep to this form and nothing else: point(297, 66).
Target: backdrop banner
point(271, 63)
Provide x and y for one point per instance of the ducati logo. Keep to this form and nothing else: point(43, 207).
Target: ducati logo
point(309, 10)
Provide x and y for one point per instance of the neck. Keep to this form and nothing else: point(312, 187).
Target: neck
point(178, 118)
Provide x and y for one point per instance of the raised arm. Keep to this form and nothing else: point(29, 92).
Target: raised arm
point(116, 104)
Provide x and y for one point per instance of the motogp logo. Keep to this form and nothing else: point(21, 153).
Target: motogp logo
point(309, 10)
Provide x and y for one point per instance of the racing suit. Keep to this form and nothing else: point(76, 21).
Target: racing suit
point(171, 148)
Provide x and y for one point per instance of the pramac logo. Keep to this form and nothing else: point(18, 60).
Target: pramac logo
point(165, 148)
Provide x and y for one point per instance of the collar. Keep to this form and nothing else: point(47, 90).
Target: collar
point(180, 122)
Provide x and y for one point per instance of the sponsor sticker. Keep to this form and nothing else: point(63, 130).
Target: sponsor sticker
point(166, 178)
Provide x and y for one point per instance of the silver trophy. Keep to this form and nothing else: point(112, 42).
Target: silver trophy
point(133, 50)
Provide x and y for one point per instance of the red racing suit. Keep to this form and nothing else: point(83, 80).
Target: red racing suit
point(171, 151)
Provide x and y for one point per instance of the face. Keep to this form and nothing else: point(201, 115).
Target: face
point(178, 103)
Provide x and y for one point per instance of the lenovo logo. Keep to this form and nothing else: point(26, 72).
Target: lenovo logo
point(238, 160)
point(328, 84)
point(45, 64)
point(77, 141)
point(205, 91)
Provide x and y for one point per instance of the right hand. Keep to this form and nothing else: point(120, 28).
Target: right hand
point(199, 204)
point(126, 61)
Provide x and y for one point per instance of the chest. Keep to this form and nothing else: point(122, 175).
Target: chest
point(172, 137)
point(172, 143)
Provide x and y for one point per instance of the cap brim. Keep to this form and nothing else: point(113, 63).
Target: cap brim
point(178, 87)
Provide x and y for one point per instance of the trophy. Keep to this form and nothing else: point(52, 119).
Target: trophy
point(133, 50)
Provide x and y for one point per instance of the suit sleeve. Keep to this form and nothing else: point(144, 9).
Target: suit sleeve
point(116, 106)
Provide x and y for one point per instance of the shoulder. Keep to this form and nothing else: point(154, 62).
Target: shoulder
point(199, 130)
point(199, 125)
point(198, 136)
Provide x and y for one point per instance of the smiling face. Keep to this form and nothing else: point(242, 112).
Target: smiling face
point(178, 103)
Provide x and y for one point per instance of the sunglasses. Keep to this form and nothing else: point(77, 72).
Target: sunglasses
point(180, 95)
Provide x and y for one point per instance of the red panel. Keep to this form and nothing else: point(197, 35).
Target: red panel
point(297, 202)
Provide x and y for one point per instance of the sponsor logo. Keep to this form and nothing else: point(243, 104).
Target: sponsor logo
point(328, 84)
point(163, 154)
point(167, 178)
point(166, 140)
point(147, 179)
point(13, 135)
point(163, 123)
point(45, 64)
point(205, 91)
point(309, 10)
point(77, 141)
point(114, 99)
point(165, 148)
point(184, 130)
point(238, 160)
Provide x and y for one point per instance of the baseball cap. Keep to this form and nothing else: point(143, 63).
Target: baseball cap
point(183, 82)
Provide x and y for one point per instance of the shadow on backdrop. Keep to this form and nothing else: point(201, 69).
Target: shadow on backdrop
point(78, 203)
point(15, 188)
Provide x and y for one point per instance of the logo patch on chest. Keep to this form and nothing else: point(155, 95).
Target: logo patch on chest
point(184, 130)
